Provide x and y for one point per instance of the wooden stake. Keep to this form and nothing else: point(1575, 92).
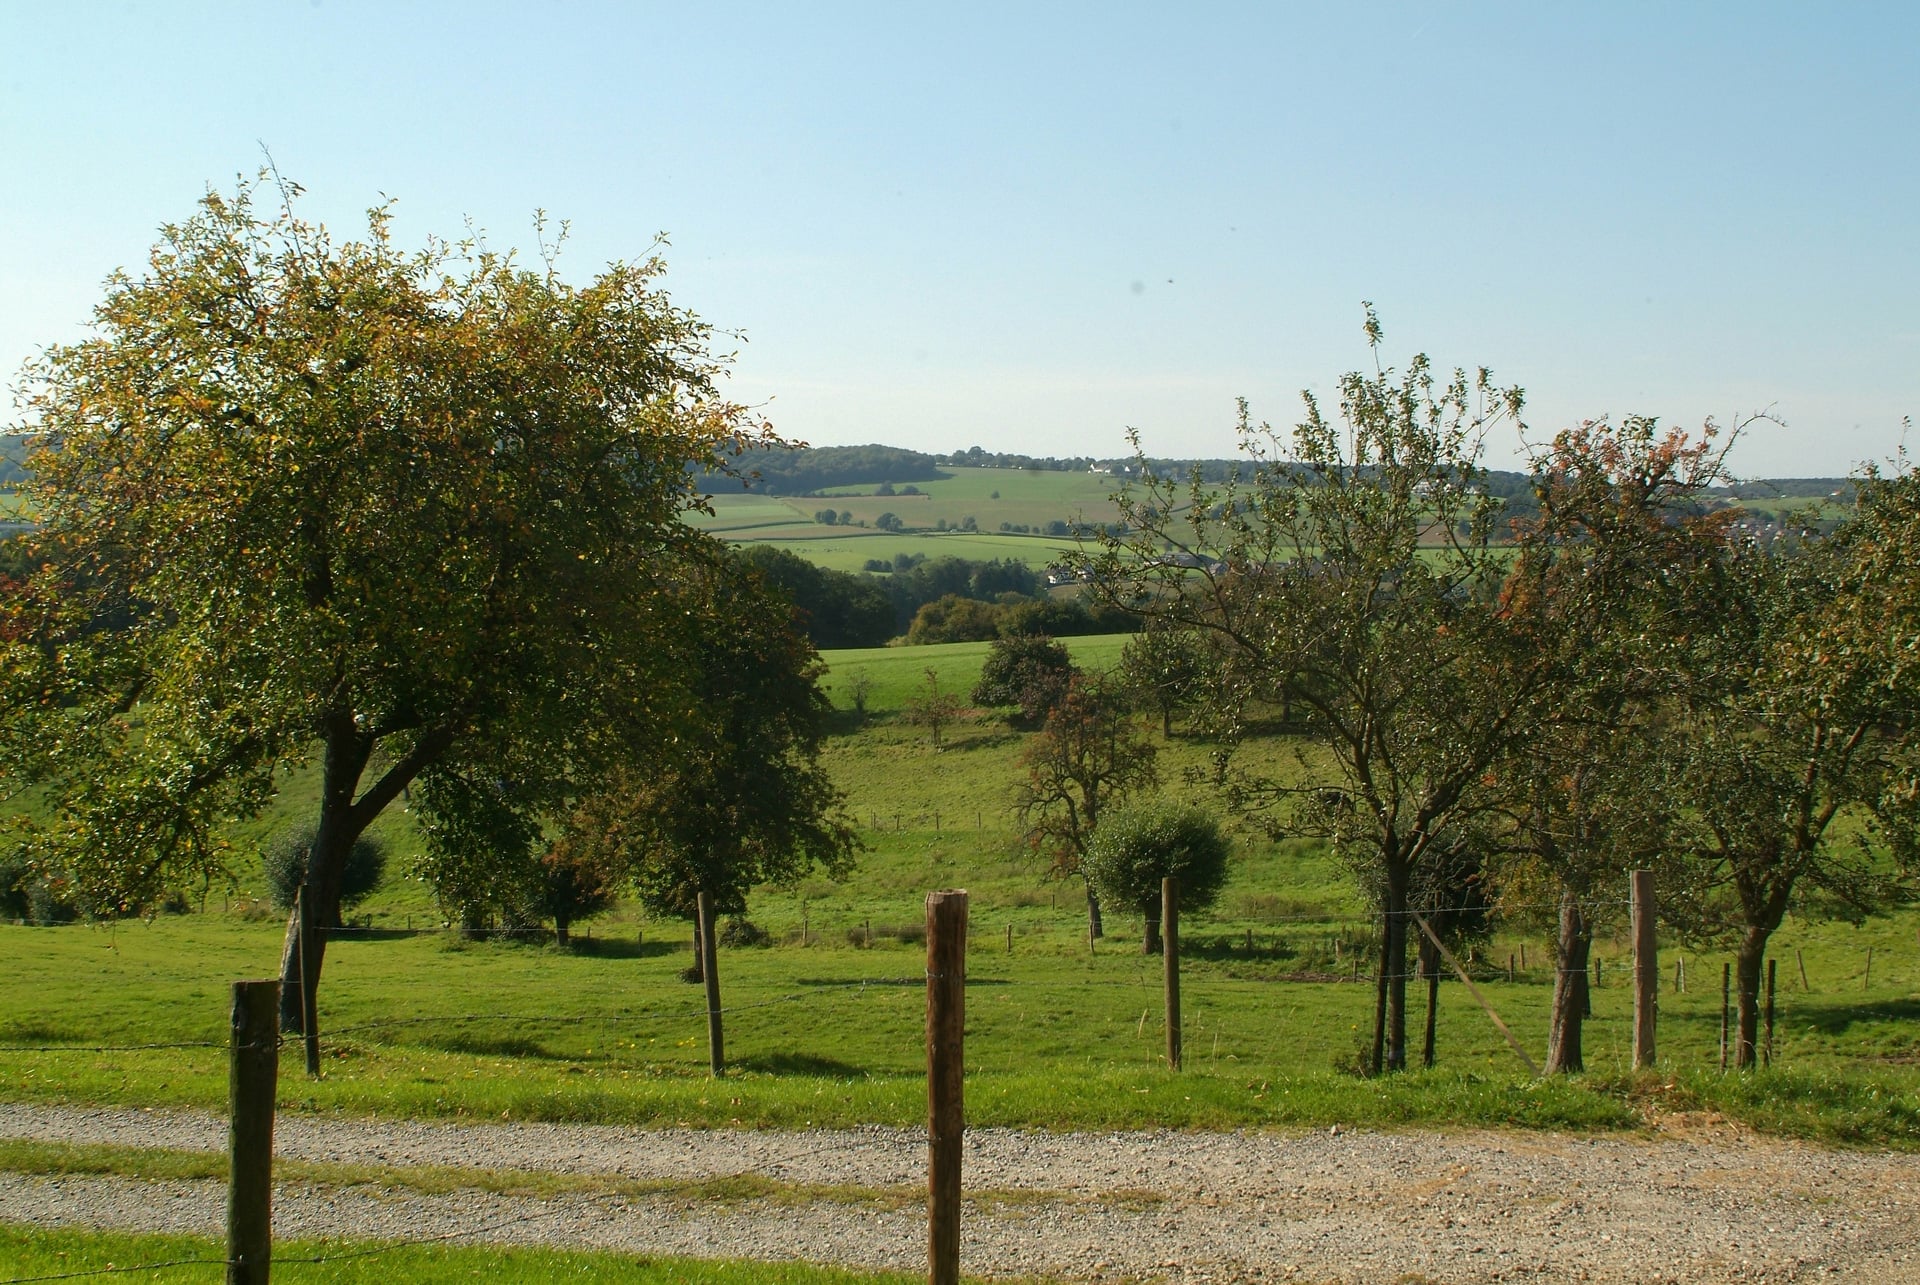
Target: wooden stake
point(1009, 938)
point(946, 1069)
point(1866, 982)
point(1801, 960)
point(1726, 992)
point(710, 970)
point(1646, 969)
point(253, 1069)
point(309, 1001)
point(1170, 954)
point(1768, 1054)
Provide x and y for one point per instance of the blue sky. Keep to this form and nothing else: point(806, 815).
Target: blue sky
point(1031, 227)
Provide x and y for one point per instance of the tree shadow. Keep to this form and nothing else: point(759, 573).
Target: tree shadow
point(1835, 1018)
point(493, 1046)
point(799, 1064)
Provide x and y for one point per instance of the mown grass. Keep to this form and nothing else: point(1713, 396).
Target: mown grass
point(30, 1252)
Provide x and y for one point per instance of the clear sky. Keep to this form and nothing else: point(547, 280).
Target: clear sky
point(1032, 226)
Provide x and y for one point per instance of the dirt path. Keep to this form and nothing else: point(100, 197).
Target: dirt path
point(1323, 1206)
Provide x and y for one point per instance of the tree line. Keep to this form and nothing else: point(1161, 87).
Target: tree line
point(1624, 678)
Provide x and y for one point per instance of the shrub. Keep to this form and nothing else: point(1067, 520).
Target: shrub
point(284, 860)
point(742, 931)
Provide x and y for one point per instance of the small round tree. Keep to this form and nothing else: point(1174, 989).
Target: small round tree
point(1027, 671)
point(1133, 849)
point(284, 861)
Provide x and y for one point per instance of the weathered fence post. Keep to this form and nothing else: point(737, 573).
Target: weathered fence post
point(946, 1069)
point(710, 970)
point(1769, 1044)
point(1170, 954)
point(1866, 981)
point(1801, 960)
point(309, 1001)
point(253, 1068)
point(1646, 970)
point(1727, 992)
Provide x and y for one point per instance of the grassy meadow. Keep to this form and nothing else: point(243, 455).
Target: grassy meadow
point(824, 1026)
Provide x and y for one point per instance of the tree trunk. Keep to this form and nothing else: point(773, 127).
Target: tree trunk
point(1150, 940)
point(1748, 964)
point(560, 923)
point(1430, 969)
point(1564, 1054)
point(1390, 992)
point(1094, 928)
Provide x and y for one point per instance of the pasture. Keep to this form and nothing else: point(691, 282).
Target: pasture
point(824, 1026)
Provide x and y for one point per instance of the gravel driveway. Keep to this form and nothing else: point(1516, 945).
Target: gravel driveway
point(1704, 1203)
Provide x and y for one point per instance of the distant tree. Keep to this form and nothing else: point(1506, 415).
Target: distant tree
point(889, 522)
point(1028, 672)
point(1167, 669)
point(577, 877)
point(885, 488)
point(826, 517)
point(837, 608)
point(934, 710)
point(1088, 755)
point(953, 618)
point(1135, 848)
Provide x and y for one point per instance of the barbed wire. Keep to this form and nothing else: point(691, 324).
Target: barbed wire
point(115, 1271)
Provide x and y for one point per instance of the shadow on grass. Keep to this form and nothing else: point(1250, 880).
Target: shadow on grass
point(799, 1064)
point(1834, 1017)
point(493, 1046)
point(915, 980)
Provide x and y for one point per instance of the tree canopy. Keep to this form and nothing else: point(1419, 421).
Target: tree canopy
point(406, 513)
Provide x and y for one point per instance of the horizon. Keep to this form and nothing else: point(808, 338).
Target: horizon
point(1036, 231)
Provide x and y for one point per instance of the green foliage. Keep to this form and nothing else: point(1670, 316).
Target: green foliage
point(283, 860)
point(1027, 672)
point(406, 513)
point(1133, 849)
point(837, 608)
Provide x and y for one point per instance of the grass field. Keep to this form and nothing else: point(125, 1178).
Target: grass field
point(825, 1026)
point(36, 1253)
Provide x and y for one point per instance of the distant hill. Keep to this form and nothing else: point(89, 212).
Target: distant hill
point(805, 470)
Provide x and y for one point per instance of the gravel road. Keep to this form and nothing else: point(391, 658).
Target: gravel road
point(1701, 1202)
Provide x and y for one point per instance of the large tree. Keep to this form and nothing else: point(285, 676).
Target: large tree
point(1798, 764)
point(314, 499)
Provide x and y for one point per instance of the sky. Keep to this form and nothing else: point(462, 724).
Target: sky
point(1033, 227)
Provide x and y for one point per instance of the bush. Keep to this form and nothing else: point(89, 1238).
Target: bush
point(15, 875)
point(742, 931)
point(284, 860)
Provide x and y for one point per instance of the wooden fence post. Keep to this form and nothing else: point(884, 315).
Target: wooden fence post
point(1170, 954)
point(309, 1001)
point(946, 1069)
point(1801, 960)
point(1866, 982)
point(1646, 970)
point(1769, 1044)
point(253, 1067)
point(1727, 992)
point(710, 970)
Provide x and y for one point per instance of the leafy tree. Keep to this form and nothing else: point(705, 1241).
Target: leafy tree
point(572, 883)
point(837, 608)
point(889, 522)
point(1089, 754)
point(1337, 578)
point(1138, 846)
point(1797, 765)
point(1605, 570)
point(1028, 672)
point(954, 619)
point(407, 513)
point(284, 862)
point(1167, 669)
point(743, 799)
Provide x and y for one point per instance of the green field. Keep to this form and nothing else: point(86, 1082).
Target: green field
point(825, 1026)
point(36, 1253)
